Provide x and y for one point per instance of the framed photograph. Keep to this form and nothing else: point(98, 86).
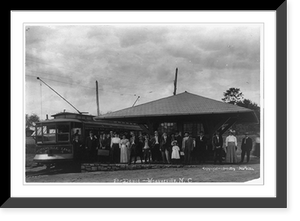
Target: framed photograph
point(149, 109)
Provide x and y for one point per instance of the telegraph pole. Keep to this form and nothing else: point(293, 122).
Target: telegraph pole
point(175, 82)
point(97, 98)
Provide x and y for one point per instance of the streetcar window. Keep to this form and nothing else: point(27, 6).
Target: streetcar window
point(63, 132)
point(49, 134)
point(38, 134)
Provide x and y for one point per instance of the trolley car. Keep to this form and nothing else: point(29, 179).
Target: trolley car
point(54, 137)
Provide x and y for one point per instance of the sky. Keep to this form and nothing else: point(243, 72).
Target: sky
point(131, 60)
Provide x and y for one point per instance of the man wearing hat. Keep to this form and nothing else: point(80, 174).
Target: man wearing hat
point(188, 148)
point(91, 146)
point(246, 147)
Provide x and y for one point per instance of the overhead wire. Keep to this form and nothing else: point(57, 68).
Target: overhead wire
point(90, 88)
point(63, 82)
point(37, 60)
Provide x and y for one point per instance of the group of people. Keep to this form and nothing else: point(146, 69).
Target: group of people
point(156, 149)
point(230, 148)
point(127, 148)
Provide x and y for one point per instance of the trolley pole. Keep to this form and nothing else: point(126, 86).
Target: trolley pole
point(136, 101)
point(59, 95)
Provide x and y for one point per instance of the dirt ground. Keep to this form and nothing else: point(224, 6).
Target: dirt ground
point(189, 173)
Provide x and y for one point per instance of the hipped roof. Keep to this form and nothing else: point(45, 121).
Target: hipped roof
point(177, 105)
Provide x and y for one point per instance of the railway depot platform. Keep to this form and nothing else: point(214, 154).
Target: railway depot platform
point(92, 167)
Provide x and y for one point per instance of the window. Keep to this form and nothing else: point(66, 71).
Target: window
point(49, 134)
point(76, 130)
point(167, 128)
point(188, 128)
point(52, 133)
point(193, 128)
point(39, 134)
point(63, 133)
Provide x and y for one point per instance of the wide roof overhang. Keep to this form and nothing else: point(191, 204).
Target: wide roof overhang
point(185, 107)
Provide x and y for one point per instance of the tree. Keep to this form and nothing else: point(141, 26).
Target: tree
point(233, 96)
point(31, 120)
point(236, 97)
point(248, 104)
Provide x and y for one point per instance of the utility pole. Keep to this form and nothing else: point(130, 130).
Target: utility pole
point(97, 99)
point(175, 82)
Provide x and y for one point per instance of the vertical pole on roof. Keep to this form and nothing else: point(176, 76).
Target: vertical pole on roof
point(97, 99)
point(175, 82)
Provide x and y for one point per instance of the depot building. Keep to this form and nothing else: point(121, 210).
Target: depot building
point(185, 112)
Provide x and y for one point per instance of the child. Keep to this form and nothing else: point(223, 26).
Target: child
point(175, 152)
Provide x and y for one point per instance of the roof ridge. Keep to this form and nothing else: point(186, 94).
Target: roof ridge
point(148, 102)
point(215, 106)
point(218, 101)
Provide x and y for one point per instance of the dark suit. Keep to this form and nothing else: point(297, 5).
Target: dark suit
point(165, 147)
point(77, 150)
point(77, 154)
point(217, 143)
point(156, 155)
point(106, 143)
point(91, 144)
point(134, 150)
point(187, 150)
point(246, 148)
point(179, 141)
point(200, 152)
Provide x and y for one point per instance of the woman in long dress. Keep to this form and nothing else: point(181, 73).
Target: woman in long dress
point(124, 145)
point(115, 149)
point(146, 149)
point(231, 145)
point(256, 151)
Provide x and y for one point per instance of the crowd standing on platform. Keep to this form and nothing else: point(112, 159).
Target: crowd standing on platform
point(141, 147)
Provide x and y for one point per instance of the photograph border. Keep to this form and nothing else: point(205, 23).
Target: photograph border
point(280, 201)
point(115, 182)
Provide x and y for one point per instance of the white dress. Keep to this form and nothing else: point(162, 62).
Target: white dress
point(231, 144)
point(175, 152)
point(124, 153)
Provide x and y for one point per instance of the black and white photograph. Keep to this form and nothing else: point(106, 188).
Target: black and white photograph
point(143, 103)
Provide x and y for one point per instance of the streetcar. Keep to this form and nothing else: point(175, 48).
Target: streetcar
point(54, 137)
